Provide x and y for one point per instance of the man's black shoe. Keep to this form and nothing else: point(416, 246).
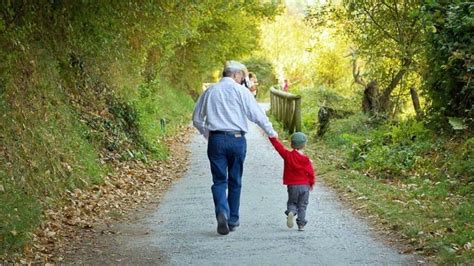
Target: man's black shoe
point(232, 228)
point(222, 226)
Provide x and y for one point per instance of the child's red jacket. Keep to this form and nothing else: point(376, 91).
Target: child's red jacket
point(297, 169)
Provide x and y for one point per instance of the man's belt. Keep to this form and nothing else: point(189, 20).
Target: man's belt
point(231, 133)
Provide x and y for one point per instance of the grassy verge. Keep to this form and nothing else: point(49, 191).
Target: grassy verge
point(50, 145)
point(162, 110)
point(42, 154)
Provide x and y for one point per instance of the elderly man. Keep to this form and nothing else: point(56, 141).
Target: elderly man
point(221, 115)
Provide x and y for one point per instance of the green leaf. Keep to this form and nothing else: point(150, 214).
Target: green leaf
point(457, 123)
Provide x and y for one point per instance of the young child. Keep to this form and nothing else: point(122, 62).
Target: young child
point(298, 175)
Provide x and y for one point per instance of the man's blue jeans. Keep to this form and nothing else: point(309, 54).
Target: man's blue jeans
point(226, 153)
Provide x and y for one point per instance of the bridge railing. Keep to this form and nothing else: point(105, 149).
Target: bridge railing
point(286, 108)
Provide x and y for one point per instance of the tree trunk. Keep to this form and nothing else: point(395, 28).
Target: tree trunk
point(325, 114)
point(416, 103)
point(370, 99)
point(323, 119)
point(384, 99)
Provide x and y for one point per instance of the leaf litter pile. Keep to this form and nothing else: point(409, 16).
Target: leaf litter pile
point(85, 211)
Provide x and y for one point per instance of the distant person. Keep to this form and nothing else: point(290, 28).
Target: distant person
point(298, 175)
point(286, 85)
point(253, 84)
point(221, 115)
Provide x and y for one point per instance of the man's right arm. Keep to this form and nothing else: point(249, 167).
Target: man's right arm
point(257, 115)
point(199, 116)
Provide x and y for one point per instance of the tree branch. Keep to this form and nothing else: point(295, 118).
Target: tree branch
point(396, 16)
point(378, 25)
point(386, 93)
point(356, 70)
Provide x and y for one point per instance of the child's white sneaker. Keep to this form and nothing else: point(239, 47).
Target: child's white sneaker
point(289, 219)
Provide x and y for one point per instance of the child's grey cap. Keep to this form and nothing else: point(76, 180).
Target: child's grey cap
point(298, 140)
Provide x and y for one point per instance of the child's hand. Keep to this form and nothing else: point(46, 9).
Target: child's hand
point(274, 136)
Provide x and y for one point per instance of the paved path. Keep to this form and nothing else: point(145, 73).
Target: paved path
point(182, 231)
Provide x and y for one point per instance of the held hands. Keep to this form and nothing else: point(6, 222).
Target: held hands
point(275, 135)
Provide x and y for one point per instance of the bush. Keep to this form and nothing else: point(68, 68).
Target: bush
point(462, 161)
point(343, 133)
point(392, 150)
point(402, 150)
point(449, 73)
point(155, 117)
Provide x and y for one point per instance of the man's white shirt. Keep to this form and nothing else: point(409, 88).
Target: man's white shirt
point(226, 106)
